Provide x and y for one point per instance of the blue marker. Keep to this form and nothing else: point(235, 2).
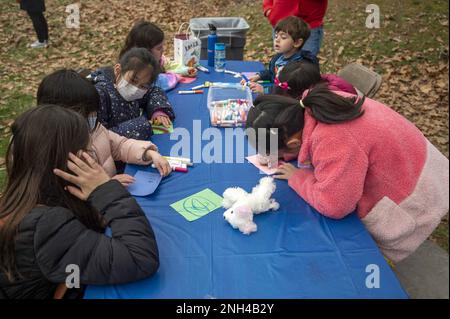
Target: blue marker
point(245, 78)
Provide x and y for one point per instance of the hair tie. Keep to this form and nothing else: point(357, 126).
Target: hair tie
point(283, 85)
point(302, 105)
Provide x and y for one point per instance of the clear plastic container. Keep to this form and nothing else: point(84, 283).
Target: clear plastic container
point(228, 106)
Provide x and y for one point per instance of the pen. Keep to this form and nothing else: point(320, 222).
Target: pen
point(245, 78)
point(264, 81)
point(191, 92)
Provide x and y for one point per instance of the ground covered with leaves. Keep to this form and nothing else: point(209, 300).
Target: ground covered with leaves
point(410, 51)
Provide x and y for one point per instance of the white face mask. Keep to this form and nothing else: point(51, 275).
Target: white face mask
point(92, 120)
point(130, 92)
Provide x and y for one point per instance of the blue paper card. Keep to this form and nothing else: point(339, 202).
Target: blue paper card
point(145, 184)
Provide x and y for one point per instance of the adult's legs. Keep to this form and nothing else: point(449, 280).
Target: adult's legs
point(40, 25)
point(314, 41)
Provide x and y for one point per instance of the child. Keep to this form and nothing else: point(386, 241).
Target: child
point(55, 208)
point(149, 36)
point(68, 89)
point(312, 11)
point(129, 102)
point(362, 156)
point(290, 35)
point(296, 77)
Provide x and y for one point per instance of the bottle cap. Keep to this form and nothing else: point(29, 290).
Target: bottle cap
point(220, 46)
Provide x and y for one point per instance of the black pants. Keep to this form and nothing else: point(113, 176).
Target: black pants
point(40, 24)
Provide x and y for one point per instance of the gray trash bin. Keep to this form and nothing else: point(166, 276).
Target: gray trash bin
point(230, 30)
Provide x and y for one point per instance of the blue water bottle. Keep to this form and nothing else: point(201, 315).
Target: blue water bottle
point(219, 57)
point(212, 39)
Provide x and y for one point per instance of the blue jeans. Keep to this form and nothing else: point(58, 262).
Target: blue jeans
point(314, 41)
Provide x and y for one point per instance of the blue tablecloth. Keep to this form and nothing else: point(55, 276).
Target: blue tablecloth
point(296, 252)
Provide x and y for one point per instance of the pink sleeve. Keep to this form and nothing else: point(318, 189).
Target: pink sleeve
point(335, 185)
point(128, 150)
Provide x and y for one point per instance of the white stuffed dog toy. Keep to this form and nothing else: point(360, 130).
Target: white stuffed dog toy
point(241, 205)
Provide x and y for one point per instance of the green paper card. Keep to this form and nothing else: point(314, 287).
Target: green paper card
point(161, 129)
point(198, 205)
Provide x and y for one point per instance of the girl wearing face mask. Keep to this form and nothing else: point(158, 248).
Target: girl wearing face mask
point(68, 89)
point(129, 102)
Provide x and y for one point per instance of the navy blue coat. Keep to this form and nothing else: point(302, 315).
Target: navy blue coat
point(270, 73)
point(129, 119)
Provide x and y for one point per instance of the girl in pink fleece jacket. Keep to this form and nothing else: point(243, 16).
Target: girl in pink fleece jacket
point(356, 154)
point(68, 89)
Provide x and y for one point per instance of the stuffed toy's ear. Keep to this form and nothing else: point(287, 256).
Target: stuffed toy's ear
point(244, 212)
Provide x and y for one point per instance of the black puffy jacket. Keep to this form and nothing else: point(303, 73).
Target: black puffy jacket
point(51, 238)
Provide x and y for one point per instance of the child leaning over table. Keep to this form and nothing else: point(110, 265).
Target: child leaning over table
point(129, 101)
point(66, 88)
point(357, 154)
point(290, 36)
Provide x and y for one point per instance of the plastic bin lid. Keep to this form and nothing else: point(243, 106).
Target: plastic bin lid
point(221, 23)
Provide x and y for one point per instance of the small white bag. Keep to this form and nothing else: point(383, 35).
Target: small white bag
point(187, 48)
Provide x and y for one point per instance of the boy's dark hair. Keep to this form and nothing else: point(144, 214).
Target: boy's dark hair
point(287, 115)
point(300, 76)
point(295, 27)
point(67, 88)
point(138, 59)
point(143, 34)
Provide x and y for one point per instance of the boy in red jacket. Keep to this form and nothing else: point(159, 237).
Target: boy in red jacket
point(312, 11)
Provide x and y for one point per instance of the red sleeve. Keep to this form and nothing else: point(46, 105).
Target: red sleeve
point(336, 184)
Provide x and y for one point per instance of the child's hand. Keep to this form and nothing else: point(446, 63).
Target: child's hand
point(161, 164)
point(285, 171)
point(255, 78)
point(88, 175)
point(257, 88)
point(162, 119)
point(124, 179)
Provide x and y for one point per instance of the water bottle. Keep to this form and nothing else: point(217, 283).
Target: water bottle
point(212, 39)
point(219, 57)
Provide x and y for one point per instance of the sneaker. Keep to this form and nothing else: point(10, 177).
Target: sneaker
point(37, 44)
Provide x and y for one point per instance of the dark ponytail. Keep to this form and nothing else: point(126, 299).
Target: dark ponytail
point(287, 114)
point(299, 76)
point(328, 107)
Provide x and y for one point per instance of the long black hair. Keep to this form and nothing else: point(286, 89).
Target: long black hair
point(287, 114)
point(69, 89)
point(42, 138)
point(143, 34)
point(300, 76)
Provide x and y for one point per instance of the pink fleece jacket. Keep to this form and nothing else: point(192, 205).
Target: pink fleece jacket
point(381, 165)
point(110, 147)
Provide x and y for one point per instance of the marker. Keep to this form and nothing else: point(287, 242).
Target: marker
point(245, 78)
point(198, 87)
point(202, 68)
point(183, 160)
point(180, 169)
point(191, 92)
point(264, 81)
